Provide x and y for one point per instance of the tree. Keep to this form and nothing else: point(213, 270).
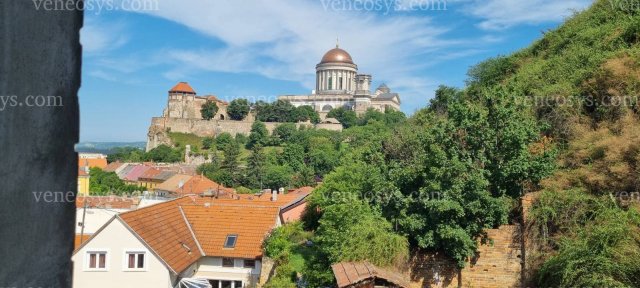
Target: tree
point(259, 135)
point(348, 118)
point(164, 153)
point(209, 110)
point(284, 132)
point(256, 167)
point(306, 113)
point(208, 143)
point(231, 153)
point(223, 140)
point(107, 183)
point(371, 115)
point(293, 156)
point(238, 109)
point(277, 176)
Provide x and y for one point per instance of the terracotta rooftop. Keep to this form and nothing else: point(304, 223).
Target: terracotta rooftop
point(167, 229)
point(114, 202)
point(212, 225)
point(199, 185)
point(353, 273)
point(290, 197)
point(183, 87)
point(173, 183)
point(149, 174)
point(135, 173)
point(163, 227)
point(113, 166)
point(92, 162)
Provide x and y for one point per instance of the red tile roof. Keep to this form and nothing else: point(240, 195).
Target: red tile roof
point(183, 87)
point(114, 202)
point(149, 174)
point(92, 162)
point(113, 166)
point(352, 273)
point(135, 173)
point(163, 228)
point(169, 229)
point(199, 185)
point(214, 223)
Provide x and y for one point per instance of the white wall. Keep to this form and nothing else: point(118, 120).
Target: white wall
point(115, 238)
point(211, 268)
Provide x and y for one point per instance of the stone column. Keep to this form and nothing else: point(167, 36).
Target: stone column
point(40, 56)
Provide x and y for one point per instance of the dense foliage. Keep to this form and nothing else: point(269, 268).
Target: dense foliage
point(238, 109)
point(209, 110)
point(108, 183)
point(161, 154)
point(284, 111)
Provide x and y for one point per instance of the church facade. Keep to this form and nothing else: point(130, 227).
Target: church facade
point(338, 84)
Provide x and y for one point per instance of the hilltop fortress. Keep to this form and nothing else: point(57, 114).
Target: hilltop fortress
point(338, 84)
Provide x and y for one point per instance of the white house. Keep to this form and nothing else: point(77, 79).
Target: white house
point(214, 241)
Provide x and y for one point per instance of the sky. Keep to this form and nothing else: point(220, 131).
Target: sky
point(136, 50)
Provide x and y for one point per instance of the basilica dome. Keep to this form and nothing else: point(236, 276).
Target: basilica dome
point(336, 55)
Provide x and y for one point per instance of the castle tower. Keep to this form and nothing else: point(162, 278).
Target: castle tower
point(336, 73)
point(180, 99)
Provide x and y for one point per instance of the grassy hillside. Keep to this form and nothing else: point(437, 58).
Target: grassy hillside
point(582, 82)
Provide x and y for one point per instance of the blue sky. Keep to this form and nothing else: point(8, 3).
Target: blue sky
point(265, 48)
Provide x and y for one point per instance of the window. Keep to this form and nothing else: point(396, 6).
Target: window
point(135, 260)
point(227, 262)
point(249, 263)
point(231, 241)
point(330, 83)
point(97, 260)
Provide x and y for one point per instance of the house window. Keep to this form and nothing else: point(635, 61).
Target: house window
point(135, 260)
point(227, 262)
point(249, 263)
point(231, 241)
point(97, 260)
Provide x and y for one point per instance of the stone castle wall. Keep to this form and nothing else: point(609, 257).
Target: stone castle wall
point(210, 128)
point(498, 264)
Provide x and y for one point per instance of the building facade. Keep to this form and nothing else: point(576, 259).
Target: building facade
point(338, 84)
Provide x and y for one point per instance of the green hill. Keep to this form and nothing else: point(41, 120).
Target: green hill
point(581, 81)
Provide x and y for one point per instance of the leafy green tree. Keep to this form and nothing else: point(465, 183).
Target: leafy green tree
point(393, 117)
point(306, 113)
point(303, 177)
point(348, 118)
point(231, 154)
point(126, 154)
point(284, 132)
point(209, 110)
point(107, 183)
point(208, 143)
point(371, 115)
point(223, 140)
point(164, 153)
point(322, 155)
point(293, 156)
point(256, 166)
point(259, 135)
point(277, 176)
point(238, 109)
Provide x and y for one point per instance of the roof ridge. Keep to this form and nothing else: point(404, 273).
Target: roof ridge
point(193, 234)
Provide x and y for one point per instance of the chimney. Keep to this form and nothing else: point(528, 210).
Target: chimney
point(281, 191)
point(274, 195)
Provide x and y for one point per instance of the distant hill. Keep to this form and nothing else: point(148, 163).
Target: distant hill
point(106, 147)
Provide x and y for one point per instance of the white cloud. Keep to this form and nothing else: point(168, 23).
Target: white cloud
point(500, 14)
point(97, 37)
point(286, 39)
